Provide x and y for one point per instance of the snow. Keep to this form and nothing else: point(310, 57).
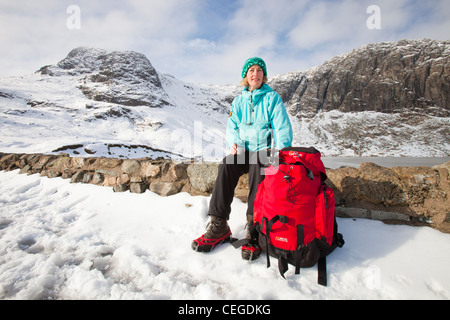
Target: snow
point(75, 241)
point(52, 112)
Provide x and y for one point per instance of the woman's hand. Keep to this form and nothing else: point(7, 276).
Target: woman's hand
point(233, 148)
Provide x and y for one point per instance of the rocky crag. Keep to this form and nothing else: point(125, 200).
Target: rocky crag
point(412, 195)
point(122, 78)
point(390, 77)
point(374, 100)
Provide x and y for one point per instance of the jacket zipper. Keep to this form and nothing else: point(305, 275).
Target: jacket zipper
point(253, 108)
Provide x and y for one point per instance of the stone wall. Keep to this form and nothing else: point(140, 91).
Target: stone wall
point(417, 195)
point(413, 195)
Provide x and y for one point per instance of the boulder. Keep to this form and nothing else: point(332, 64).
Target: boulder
point(203, 176)
point(138, 187)
point(165, 188)
point(130, 166)
point(150, 170)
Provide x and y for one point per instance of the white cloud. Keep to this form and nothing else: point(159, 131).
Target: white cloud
point(256, 28)
point(36, 32)
point(288, 34)
point(428, 19)
point(320, 24)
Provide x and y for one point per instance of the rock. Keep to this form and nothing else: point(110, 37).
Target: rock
point(405, 86)
point(67, 174)
point(130, 166)
point(363, 213)
point(203, 176)
point(165, 188)
point(98, 178)
point(111, 77)
point(25, 169)
point(77, 177)
point(343, 181)
point(377, 184)
point(177, 171)
point(108, 172)
point(120, 187)
point(138, 187)
point(54, 174)
point(109, 181)
point(7, 160)
point(386, 77)
point(136, 179)
point(149, 170)
point(107, 163)
point(123, 179)
point(445, 165)
point(87, 177)
point(61, 163)
point(417, 183)
point(78, 163)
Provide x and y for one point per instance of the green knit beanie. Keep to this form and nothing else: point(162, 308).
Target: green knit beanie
point(251, 62)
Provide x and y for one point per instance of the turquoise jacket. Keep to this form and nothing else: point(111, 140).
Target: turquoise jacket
point(255, 116)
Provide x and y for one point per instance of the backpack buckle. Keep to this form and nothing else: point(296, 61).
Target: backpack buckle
point(283, 219)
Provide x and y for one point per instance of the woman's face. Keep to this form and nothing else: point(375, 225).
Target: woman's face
point(255, 77)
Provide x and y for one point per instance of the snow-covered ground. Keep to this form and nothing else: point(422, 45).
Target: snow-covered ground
point(75, 241)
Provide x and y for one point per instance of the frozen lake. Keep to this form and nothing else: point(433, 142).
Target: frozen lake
point(389, 162)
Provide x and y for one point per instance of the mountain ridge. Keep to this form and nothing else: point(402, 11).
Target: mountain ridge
point(384, 77)
point(389, 98)
point(110, 76)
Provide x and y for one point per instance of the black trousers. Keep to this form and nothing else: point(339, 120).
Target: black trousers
point(230, 170)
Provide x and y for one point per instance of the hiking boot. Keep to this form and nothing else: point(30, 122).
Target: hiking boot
point(251, 250)
point(217, 232)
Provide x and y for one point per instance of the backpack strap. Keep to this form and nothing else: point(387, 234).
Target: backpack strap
point(266, 237)
point(239, 243)
point(322, 271)
point(300, 247)
point(282, 265)
point(253, 231)
point(283, 261)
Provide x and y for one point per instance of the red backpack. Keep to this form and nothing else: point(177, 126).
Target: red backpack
point(294, 212)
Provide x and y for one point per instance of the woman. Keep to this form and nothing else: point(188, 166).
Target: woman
point(257, 116)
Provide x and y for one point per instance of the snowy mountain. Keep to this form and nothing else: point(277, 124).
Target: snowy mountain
point(387, 99)
point(112, 103)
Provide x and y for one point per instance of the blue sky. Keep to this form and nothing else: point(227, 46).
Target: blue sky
point(207, 41)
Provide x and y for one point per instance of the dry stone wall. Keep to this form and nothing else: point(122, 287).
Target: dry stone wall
point(418, 195)
point(413, 195)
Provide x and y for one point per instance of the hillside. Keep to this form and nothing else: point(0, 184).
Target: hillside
point(389, 98)
point(384, 99)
